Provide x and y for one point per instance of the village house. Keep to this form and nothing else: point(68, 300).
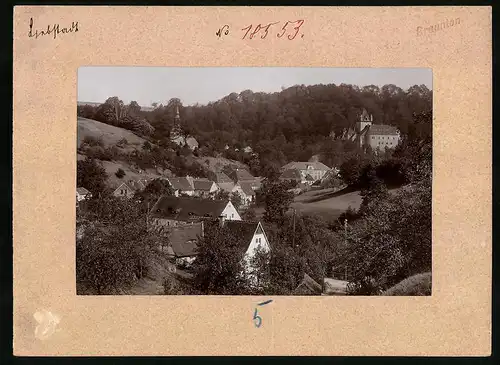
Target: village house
point(250, 238)
point(247, 192)
point(219, 177)
point(170, 211)
point(82, 194)
point(316, 170)
point(204, 188)
point(183, 240)
point(182, 243)
point(239, 175)
point(124, 191)
point(377, 136)
point(182, 185)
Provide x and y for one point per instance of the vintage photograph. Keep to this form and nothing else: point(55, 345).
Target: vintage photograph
point(254, 181)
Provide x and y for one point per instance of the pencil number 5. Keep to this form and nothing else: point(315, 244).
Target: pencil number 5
point(257, 320)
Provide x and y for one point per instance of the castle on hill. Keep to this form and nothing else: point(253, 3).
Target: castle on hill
point(377, 136)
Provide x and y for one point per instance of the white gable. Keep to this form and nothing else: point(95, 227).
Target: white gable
point(258, 240)
point(231, 213)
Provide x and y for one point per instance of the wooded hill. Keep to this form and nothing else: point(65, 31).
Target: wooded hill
point(293, 124)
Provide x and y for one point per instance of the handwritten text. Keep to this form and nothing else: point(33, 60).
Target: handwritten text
point(55, 29)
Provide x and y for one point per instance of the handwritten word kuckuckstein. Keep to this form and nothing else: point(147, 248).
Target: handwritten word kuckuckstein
point(53, 29)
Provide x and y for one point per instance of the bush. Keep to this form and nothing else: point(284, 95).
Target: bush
point(120, 173)
point(92, 141)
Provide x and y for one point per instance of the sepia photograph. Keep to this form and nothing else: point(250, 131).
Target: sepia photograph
point(254, 181)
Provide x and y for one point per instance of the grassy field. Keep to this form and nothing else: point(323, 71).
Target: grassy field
point(420, 284)
point(110, 135)
point(325, 203)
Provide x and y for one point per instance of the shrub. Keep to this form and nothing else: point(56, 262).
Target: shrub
point(92, 141)
point(120, 173)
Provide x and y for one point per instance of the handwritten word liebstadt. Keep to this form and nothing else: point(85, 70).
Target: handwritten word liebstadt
point(437, 27)
point(55, 29)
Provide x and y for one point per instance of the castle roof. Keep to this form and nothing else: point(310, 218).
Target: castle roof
point(383, 129)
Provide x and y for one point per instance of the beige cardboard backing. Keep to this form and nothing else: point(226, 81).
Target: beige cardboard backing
point(455, 320)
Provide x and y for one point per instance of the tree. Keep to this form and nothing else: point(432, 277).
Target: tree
point(110, 259)
point(154, 190)
point(277, 201)
point(249, 215)
point(91, 175)
point(218, 268)
point(222, 195)
point(236, 199)
point(120, 173)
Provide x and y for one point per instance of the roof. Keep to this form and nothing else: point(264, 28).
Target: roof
point(202, 184)
point(82, 191)
point(126, 186)
point(364, 113)
point(334, 286)
point(303, 165)
point(291, 174)
point(137, 184)
point(242, 231)
point(187, 208)
point(383, 129)
point(219, 177)
point(183, 240)
point(226, 186)
point(308, 287)
point(180, 183)
point(240, 175)
point(246, 186)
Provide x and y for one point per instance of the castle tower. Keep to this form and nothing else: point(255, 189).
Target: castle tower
point(176, 131)
point(177, 117)
point(365, 119)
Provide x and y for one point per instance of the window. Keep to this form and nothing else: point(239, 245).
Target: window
point(257, 240)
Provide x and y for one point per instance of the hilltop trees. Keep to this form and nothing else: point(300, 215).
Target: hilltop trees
point(91, 175)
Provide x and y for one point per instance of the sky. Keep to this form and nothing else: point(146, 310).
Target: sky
point(204, 84)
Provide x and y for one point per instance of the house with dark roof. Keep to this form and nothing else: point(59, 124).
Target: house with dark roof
point(171, 211)
point(316, 170)
point(291, 175)
point(249, 236)
point(247, 192)
point(204, 188)
point(308, 286)
point(239, 175)
point(377, 136)
point(82, 194)
point(219, 177)
point(182, 185)
point(182, 242)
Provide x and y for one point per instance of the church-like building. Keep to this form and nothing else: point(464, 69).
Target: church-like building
point(178, 137)
point(379, 136)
